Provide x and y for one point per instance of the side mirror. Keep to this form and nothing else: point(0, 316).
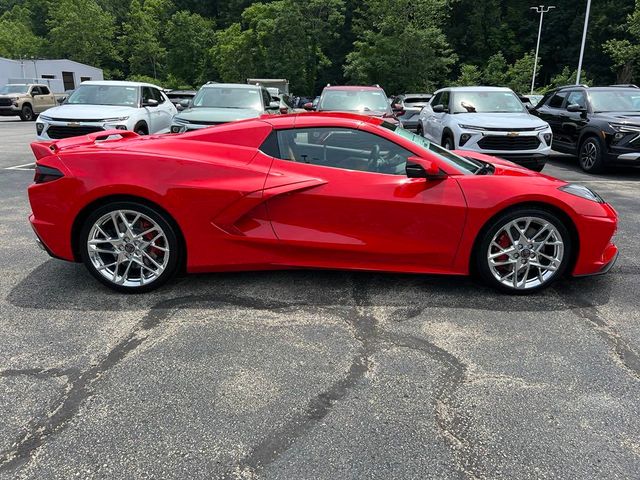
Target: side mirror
point(439, 109)
point(273, 106)
point(284, 110)
point(185, 103)
point(418, 167)
point(308, 106)
point(152, 102)
point(574, 107)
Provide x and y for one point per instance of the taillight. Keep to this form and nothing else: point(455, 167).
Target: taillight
point(46, 174)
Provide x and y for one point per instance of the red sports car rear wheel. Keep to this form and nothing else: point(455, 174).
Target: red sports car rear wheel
point(129, 247)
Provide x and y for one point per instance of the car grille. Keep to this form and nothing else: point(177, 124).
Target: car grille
point(88, 120)
point(5, 102)
point(60, 131)
point(498, 142)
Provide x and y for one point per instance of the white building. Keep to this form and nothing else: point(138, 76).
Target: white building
point(59, 75)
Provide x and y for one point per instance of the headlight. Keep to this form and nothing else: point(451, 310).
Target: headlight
point(622, 127)
point(472, 127)
point(115, 119)
point(180, 121)
point(45, 118)
point(582, 191)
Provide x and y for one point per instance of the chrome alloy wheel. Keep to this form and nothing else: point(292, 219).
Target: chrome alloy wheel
point(588, 155)
point(128, 248)
point(525, 253)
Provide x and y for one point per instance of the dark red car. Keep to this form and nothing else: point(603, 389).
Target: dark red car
point(311, 190)
point(370, 101)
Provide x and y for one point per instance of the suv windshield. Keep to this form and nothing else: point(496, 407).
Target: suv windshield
point(121, 95)
point(465, 165)
point(13, 89)
point(226, 97)
point(486, 102)
point(354, 101)
point(615, 100)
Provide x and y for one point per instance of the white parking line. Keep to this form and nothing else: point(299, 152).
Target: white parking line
point(26, 167)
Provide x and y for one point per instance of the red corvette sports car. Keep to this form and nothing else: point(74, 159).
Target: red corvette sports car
point(314, 190)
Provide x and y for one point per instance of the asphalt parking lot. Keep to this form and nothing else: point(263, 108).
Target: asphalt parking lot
point(314, 374)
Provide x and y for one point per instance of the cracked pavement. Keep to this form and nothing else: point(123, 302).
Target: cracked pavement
point(314, 374)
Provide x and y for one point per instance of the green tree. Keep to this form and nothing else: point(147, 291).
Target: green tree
point(400, 45)
point(232, 54)
point(625, 52)
point(189, 36)
point(82, 31)
point(17, 39)
point(495, 70)
point(519, 74)
point(567, 77)
point(142, 37)
point(469, 75)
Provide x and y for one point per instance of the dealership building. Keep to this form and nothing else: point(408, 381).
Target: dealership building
point(59, 75)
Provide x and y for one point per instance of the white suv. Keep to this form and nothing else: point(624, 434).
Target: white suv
point(489, 120)
point(105, 105)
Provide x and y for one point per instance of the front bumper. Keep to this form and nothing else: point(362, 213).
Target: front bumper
point(596, 251)
point(56, 130)
point(10, 111)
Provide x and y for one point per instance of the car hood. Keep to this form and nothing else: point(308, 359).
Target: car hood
point(204, 114)
point(510, 169)
point(499, 120)
point(95, 112)
point(632, 118)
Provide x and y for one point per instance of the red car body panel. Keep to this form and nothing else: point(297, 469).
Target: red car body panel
point(240, 209)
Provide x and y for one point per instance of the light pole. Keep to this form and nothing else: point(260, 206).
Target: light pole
point(584, 39)
point(542, 9)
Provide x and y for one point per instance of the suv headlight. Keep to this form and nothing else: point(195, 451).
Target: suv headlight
point(472, 127)
point(542, 127)
point(44, 117)
point(623, 127)
point(115, 119)
point(582, 191)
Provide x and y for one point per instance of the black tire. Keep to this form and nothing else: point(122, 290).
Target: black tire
point(164, 223)
point(484, 242)
point(141, 129)
point(26, 114)
point(591, 155)
point(447, 142)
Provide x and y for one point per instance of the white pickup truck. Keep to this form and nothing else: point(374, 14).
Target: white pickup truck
point(26, 101)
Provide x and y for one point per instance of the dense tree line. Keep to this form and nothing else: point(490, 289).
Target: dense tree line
point(400, 44)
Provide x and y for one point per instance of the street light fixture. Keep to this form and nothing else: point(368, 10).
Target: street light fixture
point(584, 39)
point(542, 9)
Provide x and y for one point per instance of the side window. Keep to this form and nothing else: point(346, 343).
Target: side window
point(44, 91)
point(35, 91)
point(578, 97)
point(436, 99)
point(157, 94)
point(147, 94)
point(266, 97)
point(557, 99)
point(445, 100)
point(343, 148)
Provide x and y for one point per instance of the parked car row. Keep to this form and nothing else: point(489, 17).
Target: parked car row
point(601, 125)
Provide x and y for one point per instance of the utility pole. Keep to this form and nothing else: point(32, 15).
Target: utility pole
point(584, 40)
point(542, 9)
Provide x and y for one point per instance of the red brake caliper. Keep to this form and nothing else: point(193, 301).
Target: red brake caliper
point(503, 241)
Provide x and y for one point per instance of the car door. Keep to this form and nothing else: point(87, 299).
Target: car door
point(165, 110)
point(574, 122)
point(437, 120)
point(551, 112)
point(36, 95)
point(342, 209)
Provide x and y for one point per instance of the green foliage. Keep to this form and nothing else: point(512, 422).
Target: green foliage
point(519, 74)
point(400, 46)
point(188, 39)
point(625, 52)
point(82, 31)
point(144, 79)
point(567, 77)
point(469, 75)
point(17, 39)
point(495, 70)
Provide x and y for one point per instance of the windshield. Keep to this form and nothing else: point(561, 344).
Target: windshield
point(466, 165)
point(13, 89)
point(486, 102)
point(120, 95)
point(354, 101)
point(225, 97)
point(615, 100)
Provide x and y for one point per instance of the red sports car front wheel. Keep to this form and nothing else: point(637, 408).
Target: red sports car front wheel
point(524, 250)
point(129, 247)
